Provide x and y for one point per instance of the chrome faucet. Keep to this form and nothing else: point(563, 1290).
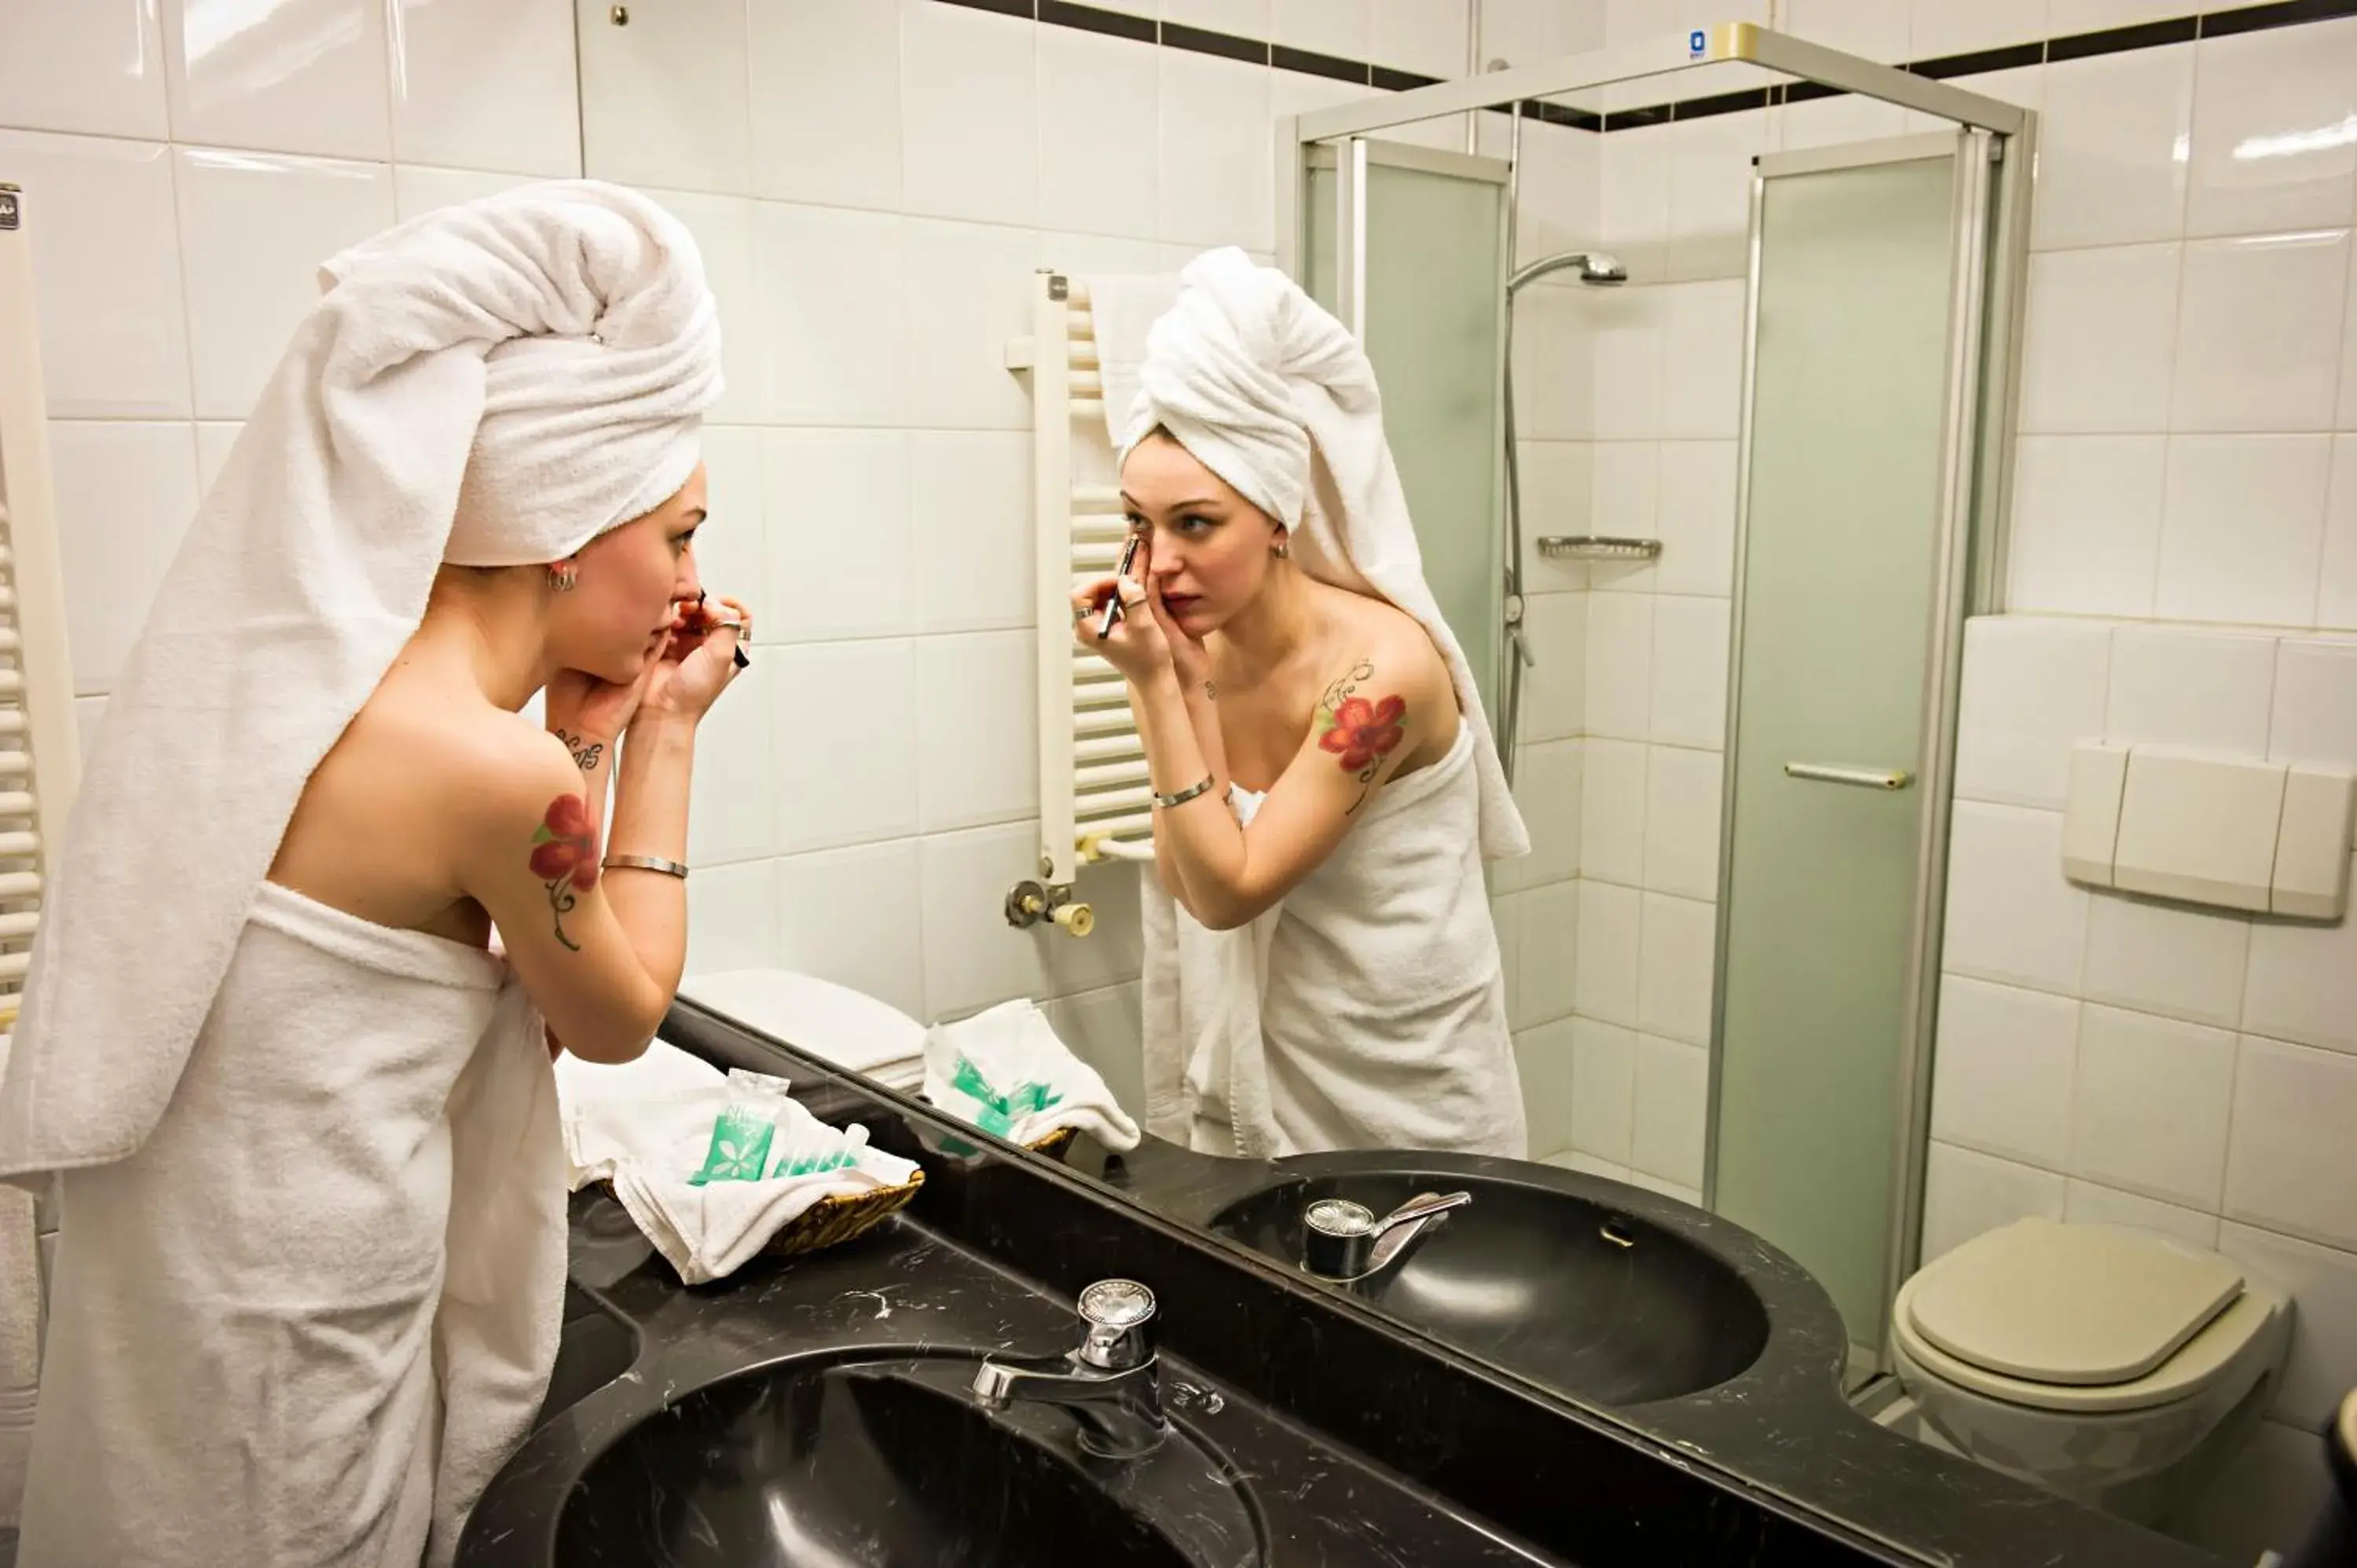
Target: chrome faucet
point(1111, 1383)
point(1343, 1241)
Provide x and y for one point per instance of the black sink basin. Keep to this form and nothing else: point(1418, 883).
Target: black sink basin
point(1603, 1303)
point(838, 1462)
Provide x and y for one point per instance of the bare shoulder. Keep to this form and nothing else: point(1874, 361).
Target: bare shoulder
point(1385, 651)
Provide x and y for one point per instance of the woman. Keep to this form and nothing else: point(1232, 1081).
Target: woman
point(1325, 783)
point(311, 1255)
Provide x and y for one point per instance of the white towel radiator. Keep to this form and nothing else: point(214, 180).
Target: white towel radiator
point(1095, 802)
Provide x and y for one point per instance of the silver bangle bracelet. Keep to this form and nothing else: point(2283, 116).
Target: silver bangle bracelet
point(1183, 796)
point(644, 862)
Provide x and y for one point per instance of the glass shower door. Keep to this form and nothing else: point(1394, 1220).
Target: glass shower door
point(1848, 557)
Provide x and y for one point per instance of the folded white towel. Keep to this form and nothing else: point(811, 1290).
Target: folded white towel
point(490, 384)
point(647, 1127)
point(1254, 378)
point(1123, 310)
point(1005, 1071)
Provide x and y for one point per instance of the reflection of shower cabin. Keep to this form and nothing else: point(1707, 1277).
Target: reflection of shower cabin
point(1095, 802)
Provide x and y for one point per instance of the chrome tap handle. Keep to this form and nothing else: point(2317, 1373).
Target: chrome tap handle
point(1120, 1318)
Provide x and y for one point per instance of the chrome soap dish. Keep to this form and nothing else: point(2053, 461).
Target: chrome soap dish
point(1597, 547)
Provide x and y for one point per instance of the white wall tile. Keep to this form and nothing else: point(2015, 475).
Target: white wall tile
point(1702, 388)
point(977, 730)
point(969, 290)
point(1697, 519)
point(2070, 17)
point(846, 736)
point(1555, 690)
point(732, 808)
point(2108, 169)
point(2160, 957)
point(1217, 152)
point(731, 551)
point(1672, 1107)
point(969, 114)
point(2209, 689)
point(1624, 502)
point(2086, 523)
point(2100, 340)
point(838, 540)
point(833, 336)
point(732, 918)
point(1939, 27)
point(1681, 826)
point(2091, 1203)
point(125, 491)
point(825, 102)
point(1710, 194)
point(1665, 1188)
point(1106, 1029)
point(2303, 983)
point(106, 266)
point(1554, 364)
point(1874, 28)
point(1673, 985)
point(725, 229)
point(306, 75)
point(2011, 916)
point(2003, 1070)
point(486, 86)
point(2348, 417)
point(253, 229)
point(1561, 190)
point(2292, 1166)
point(2315, 704)
point(1633, 199)
point(215, 440)
point(2250, 353)
point(852, 916)
point(76, 65)
point(1099, 129)
point(1547, 787)
point(1548, 933)
point(667, 101)
point(1344, 28)
point(974, 958)
point(1834, 122)
point(2149, 1112)
point(1610, 919)
point(2243, 528)
point(2032, 687)
point(420, 188)
point(1543, 1055)
point(1506, 917)
point(2265, 106)
point(1556, 479)
point(1237, 18)
point(1426, 35)
point(2336, 592)
point(1620, 665)
point(1612, 812)
point(1966, 1193)
point(2323, 1282)
point(1626, 330)
point(970, 494)
point(1689, 666)
point(1603, 1088)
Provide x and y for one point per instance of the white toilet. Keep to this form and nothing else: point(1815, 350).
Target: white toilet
point(2117, 1366)
point(847, 1027)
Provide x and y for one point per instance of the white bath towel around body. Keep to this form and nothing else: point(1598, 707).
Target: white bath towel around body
point(1367, 1009)
point(313, 1241)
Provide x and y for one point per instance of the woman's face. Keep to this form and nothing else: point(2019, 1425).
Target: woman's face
point(1210, 547)
point(627, 581)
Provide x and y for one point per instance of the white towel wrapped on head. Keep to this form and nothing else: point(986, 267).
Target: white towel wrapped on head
point(1005, 1071)
point(1274, 396)
point(647, 1127)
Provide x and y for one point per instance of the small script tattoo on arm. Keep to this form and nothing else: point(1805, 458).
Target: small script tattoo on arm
point(565, 857)
point(1210, 691)
point(587, 754)
point(1359, 733)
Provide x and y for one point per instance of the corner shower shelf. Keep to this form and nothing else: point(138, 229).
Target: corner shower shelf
point(1594, 547)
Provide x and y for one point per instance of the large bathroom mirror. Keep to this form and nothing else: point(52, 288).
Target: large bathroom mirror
point(1697, 358)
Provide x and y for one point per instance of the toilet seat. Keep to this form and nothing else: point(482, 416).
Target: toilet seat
point(2081, 1318)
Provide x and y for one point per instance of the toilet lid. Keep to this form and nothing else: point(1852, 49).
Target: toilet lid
point(2081, 1305)
point(849, 1028)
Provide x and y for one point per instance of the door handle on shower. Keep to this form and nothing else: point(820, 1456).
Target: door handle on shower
point(1862, 777)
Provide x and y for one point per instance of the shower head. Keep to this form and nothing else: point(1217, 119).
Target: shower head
point(1591, 267)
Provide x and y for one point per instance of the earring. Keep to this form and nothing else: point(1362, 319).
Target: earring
point(1282, 549)
point(562, 576)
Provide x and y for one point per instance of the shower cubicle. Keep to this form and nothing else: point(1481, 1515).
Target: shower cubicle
point(1845, 344)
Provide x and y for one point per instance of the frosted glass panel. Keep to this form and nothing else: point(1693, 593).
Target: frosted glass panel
point(1849, 379)
point(1435, 280)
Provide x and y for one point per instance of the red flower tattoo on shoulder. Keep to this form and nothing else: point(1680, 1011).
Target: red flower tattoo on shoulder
point(1359, 733)
point(565, 856)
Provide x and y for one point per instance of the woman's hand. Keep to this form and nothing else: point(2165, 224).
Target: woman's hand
point(697, 660)
point(589, 715)
point(1137, 647)
point(1188, 657)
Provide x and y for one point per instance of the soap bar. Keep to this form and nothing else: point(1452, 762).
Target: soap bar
point(2311, 871)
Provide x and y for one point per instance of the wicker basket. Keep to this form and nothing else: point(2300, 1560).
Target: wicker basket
point(833, 1220)
point(1054, 1145)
